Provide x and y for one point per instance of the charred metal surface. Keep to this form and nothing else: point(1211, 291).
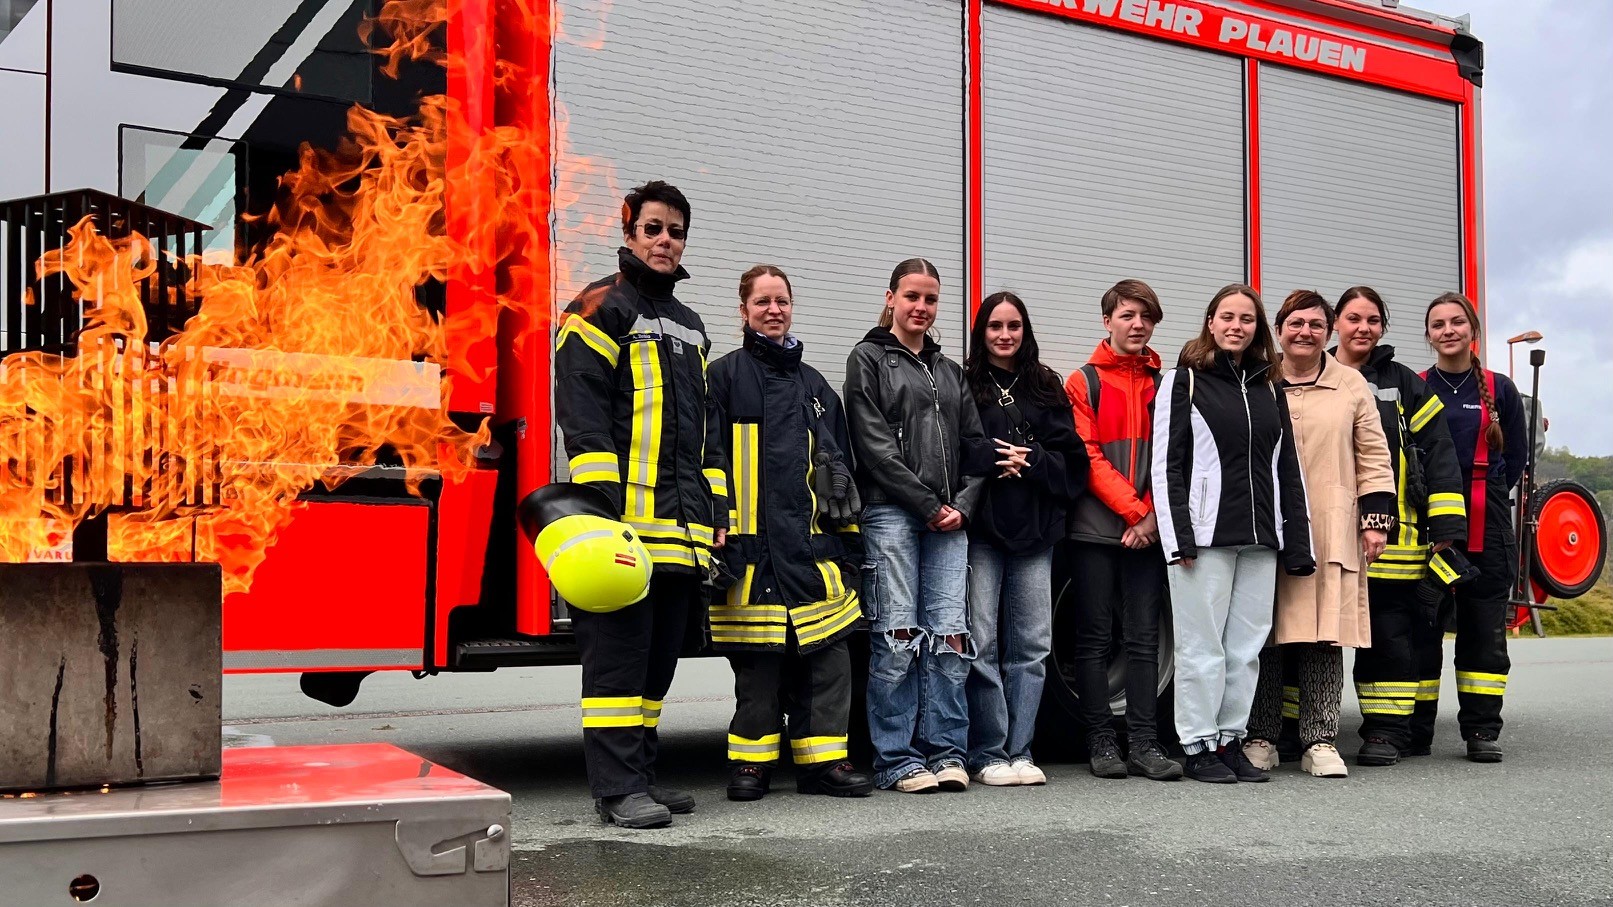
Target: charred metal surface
point(113, 674)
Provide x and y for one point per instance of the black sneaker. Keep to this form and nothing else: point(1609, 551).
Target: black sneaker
point(1377, 751)
point(1239, 765)
point(1105, 758)
point(676, 802)
point(1209, 768)
point(1149, 761)
point(633, 811)
point(1481, 747)
point(839, 780)
point(749, 781)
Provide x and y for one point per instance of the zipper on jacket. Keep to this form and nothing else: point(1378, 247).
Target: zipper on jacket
point(940, 431)
point(1254, 524)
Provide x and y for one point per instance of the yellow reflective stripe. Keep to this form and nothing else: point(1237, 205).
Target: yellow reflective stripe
point(758, 749)
point(1405, 529)
point(644, 447)
point(1427, 690)
point(596, 466)
point(1406, 572)
point(830, 626)
point(718, 480)
point(1425, 414)
point(612, 711)
point(702, 535)
point(666, 530)
point(1445, 503)
point(1387, 707)
point(1290, 702)
point(667, 553)
point(652, 712)
point(1481, 683)
point(1443, 569)
point(812, 493)
point(739, 593)
point(752, 613)
point(753, 636)
point(577, 326)
point(812, 750)
point(747, 477)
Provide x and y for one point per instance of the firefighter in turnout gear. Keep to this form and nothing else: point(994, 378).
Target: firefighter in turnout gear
point(630, 397)
point(1431, 517)
point(784, 622)
point(1486, 416)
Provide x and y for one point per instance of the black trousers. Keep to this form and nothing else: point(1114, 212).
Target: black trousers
point(1479, 610)
point(1386, 676)
point(1123, 587)
point(811, 691)
point(628, 659)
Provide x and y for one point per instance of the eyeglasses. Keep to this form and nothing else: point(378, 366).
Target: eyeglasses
point(768, 303)
point(654, 228)
point(1319, 327)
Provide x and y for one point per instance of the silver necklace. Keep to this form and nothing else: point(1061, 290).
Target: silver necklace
point(1005, 393)
point(1457, 387)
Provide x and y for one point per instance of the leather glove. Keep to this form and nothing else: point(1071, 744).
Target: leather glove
point(836, 491)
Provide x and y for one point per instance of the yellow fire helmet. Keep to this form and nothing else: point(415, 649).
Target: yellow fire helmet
point(595, 561)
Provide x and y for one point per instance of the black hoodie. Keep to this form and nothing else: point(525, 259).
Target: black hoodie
point(1025, 515)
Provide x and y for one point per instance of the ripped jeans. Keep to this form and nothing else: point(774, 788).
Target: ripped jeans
point(915, 592)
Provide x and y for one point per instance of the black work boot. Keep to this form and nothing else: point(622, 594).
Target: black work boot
point(841, 779)
point(1377, 751)
point(1236, 762)
point(1482, 747)
point(1149, 761)
point(676, 802)
point(749, 781)
point(633, 811)
point(1104, 755)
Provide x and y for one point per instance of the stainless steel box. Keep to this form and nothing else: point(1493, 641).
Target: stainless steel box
point(309, 825)
point(112, 673)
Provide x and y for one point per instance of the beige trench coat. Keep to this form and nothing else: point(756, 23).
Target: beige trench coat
point(1343, 455)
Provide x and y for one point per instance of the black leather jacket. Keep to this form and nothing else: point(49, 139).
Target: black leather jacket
point(914, 427)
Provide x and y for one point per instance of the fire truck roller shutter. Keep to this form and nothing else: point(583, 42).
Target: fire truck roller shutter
point(1108, 156)
point(1359, 185)
point(820, 136)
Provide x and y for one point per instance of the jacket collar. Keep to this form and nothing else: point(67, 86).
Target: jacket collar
point(1331, 373)
point(883, 336)
point(645, 279)
point(779, 356)
point(1106, 357)
point(1381, 355)
point(1226, 368)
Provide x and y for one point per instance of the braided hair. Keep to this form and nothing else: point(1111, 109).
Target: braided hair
point(1493, 434)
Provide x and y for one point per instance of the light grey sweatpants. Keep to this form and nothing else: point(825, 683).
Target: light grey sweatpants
point(1222, 611)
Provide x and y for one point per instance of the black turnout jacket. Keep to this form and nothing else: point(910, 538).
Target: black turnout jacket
point(776, 412)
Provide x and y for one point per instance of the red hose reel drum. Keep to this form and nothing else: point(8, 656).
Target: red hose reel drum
point(1569, 548)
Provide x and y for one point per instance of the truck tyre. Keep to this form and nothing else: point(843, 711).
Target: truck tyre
point(1570, 539)
point(1058, 726)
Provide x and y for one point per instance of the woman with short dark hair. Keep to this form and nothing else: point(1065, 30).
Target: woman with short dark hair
point(1345, 461)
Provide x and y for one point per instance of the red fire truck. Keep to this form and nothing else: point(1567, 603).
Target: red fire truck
point(1050, 147)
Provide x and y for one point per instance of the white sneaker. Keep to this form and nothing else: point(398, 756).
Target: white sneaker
point(917, 781)
point(1323, 761)
point(998, 774)
point(1262, 755)
point(1028, 773)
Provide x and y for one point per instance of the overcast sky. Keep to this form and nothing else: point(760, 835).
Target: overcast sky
point(1548, 196)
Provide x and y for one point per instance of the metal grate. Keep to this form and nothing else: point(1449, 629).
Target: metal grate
point(30, 227)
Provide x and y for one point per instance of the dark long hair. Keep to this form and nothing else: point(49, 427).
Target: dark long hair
point(1201, 351)
point(1040, 384)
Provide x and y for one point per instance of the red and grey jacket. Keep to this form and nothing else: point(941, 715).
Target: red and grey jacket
point(1117, 426)
point(1226, 473)
point(630, 396)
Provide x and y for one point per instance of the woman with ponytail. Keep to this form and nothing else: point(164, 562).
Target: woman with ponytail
point(1485, 414)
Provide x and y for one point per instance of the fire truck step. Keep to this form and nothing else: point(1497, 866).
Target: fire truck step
point(515, 652)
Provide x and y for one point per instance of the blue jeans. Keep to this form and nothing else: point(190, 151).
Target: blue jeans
point(914, 589)
point(1011, 620)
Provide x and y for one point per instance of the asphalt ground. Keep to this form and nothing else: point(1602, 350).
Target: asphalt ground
point(1536, 829)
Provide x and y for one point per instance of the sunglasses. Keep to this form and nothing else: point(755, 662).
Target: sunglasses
point(654, 228)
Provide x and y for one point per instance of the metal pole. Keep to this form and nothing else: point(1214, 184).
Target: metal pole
point(50, 48)
point(1537, 358)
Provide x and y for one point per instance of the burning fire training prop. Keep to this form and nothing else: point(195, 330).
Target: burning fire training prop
point(306, 362)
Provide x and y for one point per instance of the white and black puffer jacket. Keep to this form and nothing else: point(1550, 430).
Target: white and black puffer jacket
point(1225, 471)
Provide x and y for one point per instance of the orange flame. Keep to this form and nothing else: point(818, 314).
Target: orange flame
point(304, 363)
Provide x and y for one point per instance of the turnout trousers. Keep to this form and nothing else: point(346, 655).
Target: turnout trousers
point(628, 659)
point(811, 692)
point(1386, 677)
point(1479, 610)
